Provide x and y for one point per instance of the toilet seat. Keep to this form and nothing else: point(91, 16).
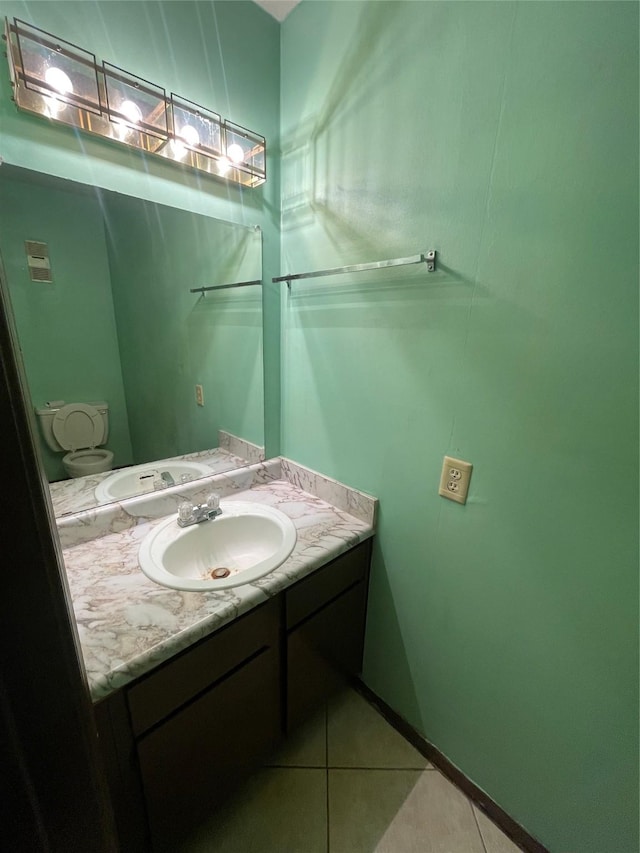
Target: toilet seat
point(81, 463)
point(78, 426)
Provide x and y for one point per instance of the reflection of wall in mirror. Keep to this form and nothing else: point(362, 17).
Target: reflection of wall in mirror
point(67, 329)
point(171, 339)
point(119, 324)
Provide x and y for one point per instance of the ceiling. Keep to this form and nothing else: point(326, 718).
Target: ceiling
point(279, 9)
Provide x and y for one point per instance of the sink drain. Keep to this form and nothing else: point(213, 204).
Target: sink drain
point(219, 573)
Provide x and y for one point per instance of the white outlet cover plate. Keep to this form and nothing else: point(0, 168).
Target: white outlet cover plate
point(454, 479)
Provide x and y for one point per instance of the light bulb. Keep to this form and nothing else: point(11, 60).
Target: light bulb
point(131, 111)
point(224, 164)
point(178, 149)
point(54, 105)
point(235, 152)
point(190, 135)
point(58, 80)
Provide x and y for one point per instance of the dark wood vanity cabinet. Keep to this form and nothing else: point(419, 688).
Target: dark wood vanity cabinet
point(325, 621)
point(176, 740)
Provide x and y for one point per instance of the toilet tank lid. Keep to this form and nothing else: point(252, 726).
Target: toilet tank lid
point(55, 405)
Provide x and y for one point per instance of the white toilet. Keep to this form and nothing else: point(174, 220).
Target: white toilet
point(79, 428)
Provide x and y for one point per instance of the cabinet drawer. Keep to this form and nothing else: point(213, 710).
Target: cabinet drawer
point(163, 691)
point(312, 593)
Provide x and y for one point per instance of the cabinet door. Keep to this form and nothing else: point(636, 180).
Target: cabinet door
point(189, 762)
point(118, 748)
point(323, 652)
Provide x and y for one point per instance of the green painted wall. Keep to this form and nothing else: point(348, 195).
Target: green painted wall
point(505, 135)
point(67, 328)
point(171, 339)
point(224, 55)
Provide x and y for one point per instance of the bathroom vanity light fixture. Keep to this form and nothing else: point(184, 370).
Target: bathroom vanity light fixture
point(61, 82)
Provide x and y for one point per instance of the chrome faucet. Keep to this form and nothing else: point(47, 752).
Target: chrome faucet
point(189, 513)
point(161, 480)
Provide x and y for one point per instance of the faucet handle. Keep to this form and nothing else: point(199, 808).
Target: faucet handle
point(185, 511)
point(159, 483)
point(213, 501)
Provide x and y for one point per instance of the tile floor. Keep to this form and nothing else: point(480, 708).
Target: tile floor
point(347, 782)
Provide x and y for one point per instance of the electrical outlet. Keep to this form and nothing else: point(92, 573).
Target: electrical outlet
point(454, 480)
point(199, 395)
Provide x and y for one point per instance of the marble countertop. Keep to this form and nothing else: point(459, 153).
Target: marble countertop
point(128, 624)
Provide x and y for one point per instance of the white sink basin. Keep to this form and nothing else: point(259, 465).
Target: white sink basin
point(128, 483)
point(248, 539)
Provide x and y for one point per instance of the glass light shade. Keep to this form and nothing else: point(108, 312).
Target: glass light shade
point(243, 153)
point(50, 74)
point(55, 79)
point(136, 108)
point(194, 128)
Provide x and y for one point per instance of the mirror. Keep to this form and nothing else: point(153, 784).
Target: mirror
point(100, 288)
